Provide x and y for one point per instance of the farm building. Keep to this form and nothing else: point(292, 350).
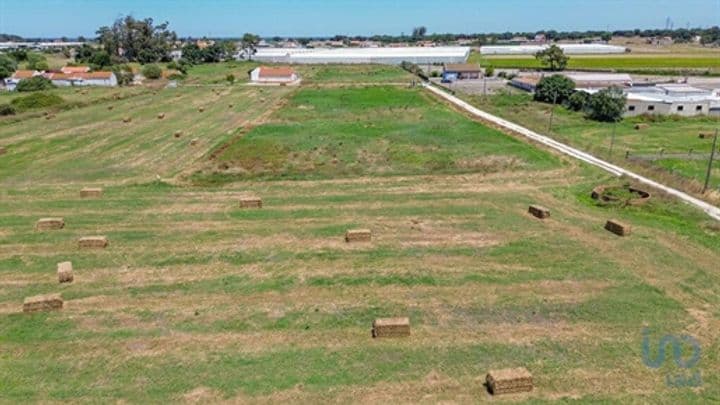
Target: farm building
point(75, 69)
point(671, 99)
point(582, 80)
point(461, 71)
point(386, 56)
point(105, 79)
point(570, 49)
point(270, 75)
point(12, 81)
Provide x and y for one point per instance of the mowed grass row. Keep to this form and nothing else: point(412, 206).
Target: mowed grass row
point(623, 62)
point(323, 133)
point(196, 295)
point(93, 144)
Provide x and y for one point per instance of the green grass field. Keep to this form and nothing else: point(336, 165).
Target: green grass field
point(197, 300)
point(620, 62)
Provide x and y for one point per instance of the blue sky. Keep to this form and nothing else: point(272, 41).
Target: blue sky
point(35, 18)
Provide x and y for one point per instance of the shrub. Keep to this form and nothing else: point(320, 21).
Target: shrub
point(578, 101)
point(434, 73)
point(152, 72)
point(554, 89)
point(7, 109)
point(230, 78)
point(489, 71)
point(607, 105)
point(124, 74)
point(36, 100)
point(36, 83)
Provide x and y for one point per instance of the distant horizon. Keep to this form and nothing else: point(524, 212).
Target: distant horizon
point(323, 18)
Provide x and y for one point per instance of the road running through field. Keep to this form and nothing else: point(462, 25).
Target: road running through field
point(709, 209)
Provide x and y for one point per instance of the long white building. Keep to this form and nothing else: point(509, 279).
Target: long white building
point(386, 56)
point(570, 49)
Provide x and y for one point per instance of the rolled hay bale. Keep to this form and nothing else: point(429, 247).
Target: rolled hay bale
point(91, 192)
point(509, 381)
point(706, 135)
point(358, 235)
point(617, 227)
point(49, 224)
point(194, 142)
point(110, 107)
point(65, 272)
point(177, 134)
point(231, 105)
point(640, 127)
point(3, 150)
point(250, 202)
point(49, 116)
point(93, 242)
point(539, 211)
point(48, 302)
point(127, 119)
point(201, 109)
point(161, 116)
point(391, 327)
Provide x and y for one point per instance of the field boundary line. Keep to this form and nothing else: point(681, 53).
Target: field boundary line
point(709, 209)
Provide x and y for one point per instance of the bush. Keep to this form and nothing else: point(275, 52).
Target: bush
point(152, 72)
point(176, 76)
point(36, 100)
point(230, 78)
point(489, 71)
point(554, 89)
point(607, 105)
point(578, 101)
point(36, 83)
point(7, 109)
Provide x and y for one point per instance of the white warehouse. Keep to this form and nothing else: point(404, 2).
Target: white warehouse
point(386, 56)
point(570, 49)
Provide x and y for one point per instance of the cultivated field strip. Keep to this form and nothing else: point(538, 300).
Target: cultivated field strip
point(195, 297)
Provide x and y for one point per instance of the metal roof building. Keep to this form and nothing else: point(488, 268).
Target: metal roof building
point(570, 49)
point(386, 56)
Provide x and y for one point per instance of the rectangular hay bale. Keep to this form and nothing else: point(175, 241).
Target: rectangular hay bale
point(618, 228)
point(93, 242)
point(38, 303)
point(48, 224)
point(639, 127)
point(358, 235)
point(91, 192)
point(509, 381)
point(65, 272)
point(539, 212)
point(250, 202)
point(391, 327)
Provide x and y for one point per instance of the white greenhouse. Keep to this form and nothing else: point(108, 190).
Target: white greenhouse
point(386, 56)
point(570, 49)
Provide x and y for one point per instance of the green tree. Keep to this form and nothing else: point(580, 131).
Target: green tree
point(152, 71)
point(606, 36)
point(7, 66)
point(607, 105)
point(554, 89)
point(137, 40)
point(419, 32)
point(249, 44)
point(553, 57)
point(35, 83)
point(36, 61)
point(577, 101)
point(489, 71)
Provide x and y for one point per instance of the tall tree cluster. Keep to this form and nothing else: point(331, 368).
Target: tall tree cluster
point(131, 40)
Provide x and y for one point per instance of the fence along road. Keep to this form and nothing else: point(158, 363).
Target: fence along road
point(709, 209)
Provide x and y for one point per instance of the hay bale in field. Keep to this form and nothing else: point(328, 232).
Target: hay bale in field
point(93, 242)
point(539, 211)
point(358, 235)
point(2, 150)
point(194, 142)
point(177, 134)
point(201, 109)
point(91, 192)
point(231, 105)
point(65, 272)
point(640, 127)
point(49, 224)
point(161, 116)
point(48, 302)
point(251, 202)
point(617, 227)
point(509, 381)
point(706, 135)
point(391, 327)
point(49, 116)
point(110, 108)
point(127, 119)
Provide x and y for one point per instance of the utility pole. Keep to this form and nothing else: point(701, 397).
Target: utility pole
point(612, 139)
point(552, 112)
point(710, 163)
